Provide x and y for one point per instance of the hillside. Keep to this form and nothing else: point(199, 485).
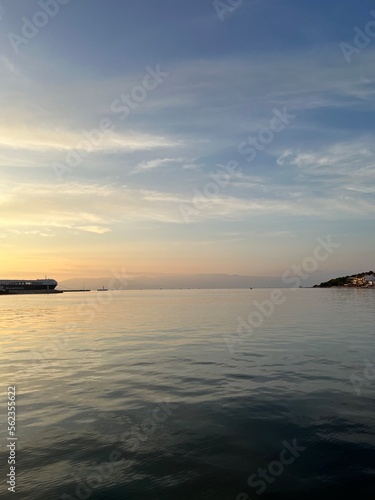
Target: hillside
point(353, 280)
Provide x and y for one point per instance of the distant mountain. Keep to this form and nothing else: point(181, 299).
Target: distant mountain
point(354, 279)
point(175, 281)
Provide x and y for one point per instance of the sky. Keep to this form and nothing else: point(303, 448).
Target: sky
point(177, 137)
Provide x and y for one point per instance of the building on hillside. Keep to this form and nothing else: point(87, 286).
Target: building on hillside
point(358, 281)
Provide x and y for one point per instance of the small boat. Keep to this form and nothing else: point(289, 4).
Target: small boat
point(102, 289)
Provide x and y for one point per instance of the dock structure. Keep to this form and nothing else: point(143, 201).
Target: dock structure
point(30, 292)
point(32, 287)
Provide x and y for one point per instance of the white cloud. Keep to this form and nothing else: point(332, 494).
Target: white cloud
point(157, 163)
point(353, 159)
point(100, 209)
point(94, 229)
point(37, 139)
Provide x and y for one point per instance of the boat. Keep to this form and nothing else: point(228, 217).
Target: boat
point(102, 289)
point(28, 286)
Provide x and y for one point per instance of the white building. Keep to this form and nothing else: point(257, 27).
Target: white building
point(370, 280)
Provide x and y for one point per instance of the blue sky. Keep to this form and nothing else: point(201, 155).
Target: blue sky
point(144, 195)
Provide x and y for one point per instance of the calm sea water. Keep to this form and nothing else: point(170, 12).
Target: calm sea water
point(153, 395)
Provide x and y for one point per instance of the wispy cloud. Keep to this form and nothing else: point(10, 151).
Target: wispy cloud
point(94, 229)
point(157, 163)
point(26, 138)
point(340, 164)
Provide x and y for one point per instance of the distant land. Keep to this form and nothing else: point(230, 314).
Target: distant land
point(176, 281)
point(360, 280)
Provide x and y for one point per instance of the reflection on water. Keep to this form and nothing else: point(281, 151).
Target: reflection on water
point(155, 394)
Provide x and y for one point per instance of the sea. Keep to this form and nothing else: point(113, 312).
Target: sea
point(188, 395)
